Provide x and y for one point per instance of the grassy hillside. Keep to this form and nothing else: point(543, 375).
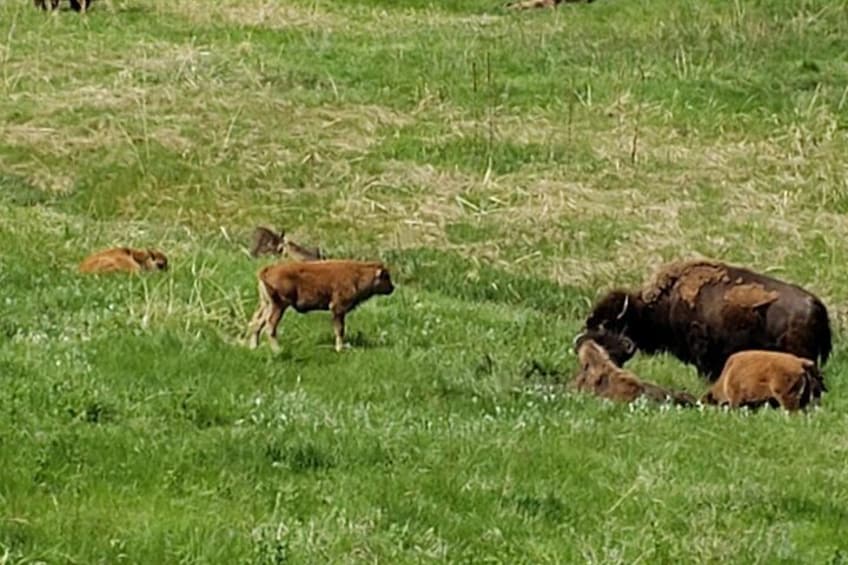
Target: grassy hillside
point(509, 167)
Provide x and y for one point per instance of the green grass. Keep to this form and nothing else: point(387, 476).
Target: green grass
point(509, 167)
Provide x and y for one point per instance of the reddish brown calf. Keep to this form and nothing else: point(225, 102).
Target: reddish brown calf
point(337, 286)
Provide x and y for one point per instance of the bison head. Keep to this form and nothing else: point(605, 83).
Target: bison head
point(614, 311)
point(619, 347)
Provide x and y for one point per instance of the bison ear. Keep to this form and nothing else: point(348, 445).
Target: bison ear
point(629, 344)
point(381, 272)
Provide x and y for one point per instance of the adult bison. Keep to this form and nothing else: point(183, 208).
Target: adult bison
point(704, 311)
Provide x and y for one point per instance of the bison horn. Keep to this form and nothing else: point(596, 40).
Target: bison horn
point(624, 309)
point(577, 338)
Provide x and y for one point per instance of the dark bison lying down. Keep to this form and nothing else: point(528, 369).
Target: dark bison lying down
point(703, 311)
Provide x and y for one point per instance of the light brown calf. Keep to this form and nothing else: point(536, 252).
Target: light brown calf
point(124, 259)
point(755, 377)
point(337, 286)
point(600, 376)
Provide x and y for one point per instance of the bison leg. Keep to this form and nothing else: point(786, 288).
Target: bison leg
point(339, 329)
point(40, 4)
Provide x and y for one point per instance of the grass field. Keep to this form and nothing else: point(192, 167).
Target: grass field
point(509, 167)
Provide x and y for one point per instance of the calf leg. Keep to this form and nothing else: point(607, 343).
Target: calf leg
point(790, 397)
point(260, 317)
point(339, 329)
point(257, 324)
point(275, 314)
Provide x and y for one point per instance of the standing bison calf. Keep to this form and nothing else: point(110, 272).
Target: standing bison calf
point(337, 286)
point(754, 378)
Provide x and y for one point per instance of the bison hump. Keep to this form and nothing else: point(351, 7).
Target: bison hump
point(687, 278)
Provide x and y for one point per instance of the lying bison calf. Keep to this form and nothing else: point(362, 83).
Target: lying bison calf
point(124, 259)
point(601, 376)
point(754, 378)
point(337, 286)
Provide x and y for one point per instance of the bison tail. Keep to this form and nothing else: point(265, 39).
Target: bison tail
point(822, 330)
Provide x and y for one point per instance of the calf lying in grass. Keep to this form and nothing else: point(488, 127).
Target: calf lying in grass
point(337, 286)
point(754, 378)
point(603, 377)
point(124, 259)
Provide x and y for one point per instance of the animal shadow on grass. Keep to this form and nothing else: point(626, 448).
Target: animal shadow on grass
point(543, 371)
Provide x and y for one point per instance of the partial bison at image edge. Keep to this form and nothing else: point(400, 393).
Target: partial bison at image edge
point(704, 311)
point(338, 286)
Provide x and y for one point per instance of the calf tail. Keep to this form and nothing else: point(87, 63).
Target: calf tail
point(813, 386)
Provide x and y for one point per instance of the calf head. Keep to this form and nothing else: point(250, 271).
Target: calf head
point(382, 281)
point(617, 347)
point(149, 259)
point(156, 260)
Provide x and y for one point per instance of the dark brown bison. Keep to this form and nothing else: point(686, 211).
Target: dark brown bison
point(704, 311)
point(76, 5)
point(337, 286)
point(755, 378)
point(602, 376)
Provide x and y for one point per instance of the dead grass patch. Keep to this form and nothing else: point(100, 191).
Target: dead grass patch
point(261, 13)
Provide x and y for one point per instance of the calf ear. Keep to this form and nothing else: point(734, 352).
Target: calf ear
point(380, 273)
